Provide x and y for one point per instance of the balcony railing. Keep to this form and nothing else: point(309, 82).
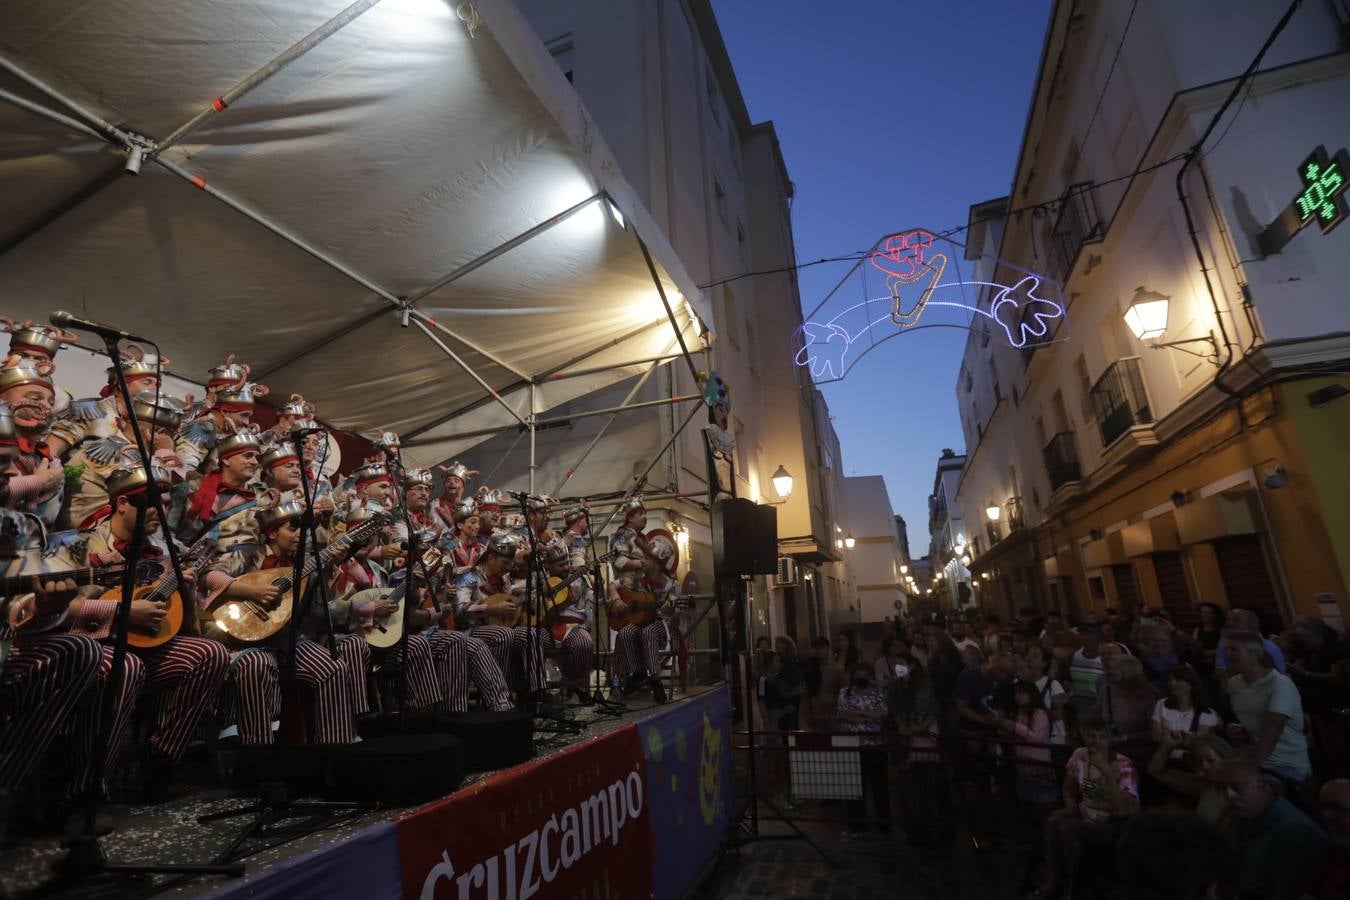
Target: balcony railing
point(1120, 400)
point(1078, 224)
point(1061, 460)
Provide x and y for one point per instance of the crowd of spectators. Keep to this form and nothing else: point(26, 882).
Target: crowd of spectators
point(1123, 730)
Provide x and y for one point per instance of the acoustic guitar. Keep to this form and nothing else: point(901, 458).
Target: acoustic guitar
point(642, 609)
point(250, 621)
point(558, 594)
point(388, 629)
point(163, 590)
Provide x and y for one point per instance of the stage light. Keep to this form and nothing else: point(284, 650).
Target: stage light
point(1147, 315)
point(782, 483)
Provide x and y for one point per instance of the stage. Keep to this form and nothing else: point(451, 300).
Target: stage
point(666, 771)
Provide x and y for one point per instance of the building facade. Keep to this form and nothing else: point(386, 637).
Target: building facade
point(949, 541)
point(1179, 437)
point(657, 79)
point(876, 556)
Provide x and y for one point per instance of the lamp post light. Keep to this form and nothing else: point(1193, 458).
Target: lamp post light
point(782, 482)
point(1146, 318)
point(993, 512)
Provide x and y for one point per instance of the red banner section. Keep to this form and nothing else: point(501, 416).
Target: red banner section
point(574, 825)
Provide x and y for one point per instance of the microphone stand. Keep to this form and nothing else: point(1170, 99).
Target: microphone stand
point(274, 796)
point(85, 858)
point(605, 706)
point(394, 456)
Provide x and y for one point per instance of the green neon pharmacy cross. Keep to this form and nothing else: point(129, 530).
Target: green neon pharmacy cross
point(1323, 189)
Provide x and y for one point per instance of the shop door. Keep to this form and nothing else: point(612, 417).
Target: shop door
point(1246, 580)
point(1172, 587)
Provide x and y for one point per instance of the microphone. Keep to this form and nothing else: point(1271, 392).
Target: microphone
point(525, 495)
point(64, 319)
point(301, 432)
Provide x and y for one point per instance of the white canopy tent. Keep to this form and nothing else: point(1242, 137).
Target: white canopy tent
point(398, 208)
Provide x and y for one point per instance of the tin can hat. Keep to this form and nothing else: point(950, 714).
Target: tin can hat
point(279, 453)
point(7, 433)
point(132, 479)
point(159, 408)
point(28, 339)
point(416, 477)
point(489, 498)
point(227, 373)
point(370, 473)
point(458, 470)
point(282, 507)
point(555, 550)
point(541, 504)
point(633, 504)
point(18, 371)
point(240, 397)
point(465, 509)
point(504, 543)
point(297, 408)
point(577, 512)
point(361, 511)
point(137, 362)
point(239, 441)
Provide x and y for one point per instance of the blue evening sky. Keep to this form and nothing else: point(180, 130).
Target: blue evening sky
point(892, 114)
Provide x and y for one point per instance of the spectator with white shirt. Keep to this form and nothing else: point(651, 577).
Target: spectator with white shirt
point(1185, 712)
point(1246, 620)
point(1050, 694)
point(1269, 730)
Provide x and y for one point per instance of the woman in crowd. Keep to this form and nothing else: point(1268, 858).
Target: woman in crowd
point(845, 653)
point(1100, 792)
point(1031, 723)
point(1125, 701)
point(861, 709)
point(1185, 712)
point(924, 803)
point(893, 651)
point(1050, 693)
point(1195, 783)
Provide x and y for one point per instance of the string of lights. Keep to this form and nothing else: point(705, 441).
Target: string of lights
point(946, 233)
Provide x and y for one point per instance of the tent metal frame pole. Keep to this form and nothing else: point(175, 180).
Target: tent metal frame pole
point(287, 56)
point(622, 365)
point(595, 441)
point(107, 130)
point(615, 410)
point(38, 109)
point(487, 479)
point(507, 247)
point(468, 369)
point(533, 458)
point(489, 356)
point(665, 301)
point(637, 482)
point(545, 376)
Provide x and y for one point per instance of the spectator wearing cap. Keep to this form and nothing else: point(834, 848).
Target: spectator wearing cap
point(1276, 846)
point(1269, 711)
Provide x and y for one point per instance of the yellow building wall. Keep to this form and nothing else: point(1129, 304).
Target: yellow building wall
point(1324, 436)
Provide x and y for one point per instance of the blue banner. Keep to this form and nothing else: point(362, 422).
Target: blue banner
point(362, 865)
point(690, 787)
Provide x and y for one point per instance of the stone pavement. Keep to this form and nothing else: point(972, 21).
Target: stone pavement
point(869, 869)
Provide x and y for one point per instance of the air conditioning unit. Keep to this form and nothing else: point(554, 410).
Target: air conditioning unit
point(786, 576)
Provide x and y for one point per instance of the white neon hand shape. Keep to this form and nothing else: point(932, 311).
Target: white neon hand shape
point(1011, 305)
point(824, 349)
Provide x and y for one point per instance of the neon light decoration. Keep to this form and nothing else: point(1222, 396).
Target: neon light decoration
point(1323, 189)
point(1024, 310)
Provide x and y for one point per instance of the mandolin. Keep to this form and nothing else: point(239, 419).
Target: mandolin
point(163, 590)
point(388, 629)
point(251, 622)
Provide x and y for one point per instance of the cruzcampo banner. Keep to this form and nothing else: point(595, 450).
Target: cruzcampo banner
point(572, 826)
point(690, 785)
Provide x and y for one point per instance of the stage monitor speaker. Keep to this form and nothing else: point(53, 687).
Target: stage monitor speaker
point(745, 538)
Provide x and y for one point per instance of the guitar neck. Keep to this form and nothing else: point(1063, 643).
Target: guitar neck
point(23, 584)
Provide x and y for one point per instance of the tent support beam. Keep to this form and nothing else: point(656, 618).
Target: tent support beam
point(469, 370)
point(595, 370)
point(490, 357)
point(595, 441)
point(325, 341)
point(626, 407)
point(637, 482)
point(38, 109)
point(534, 462)
point(470, 407)
point(507, 247)
point(487, 479)
point(287, 56)
point(665, 301)
point(105, 129)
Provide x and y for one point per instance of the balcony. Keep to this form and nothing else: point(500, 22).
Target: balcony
point(1121, 409)
point(1077, 225)
point(1061, 464)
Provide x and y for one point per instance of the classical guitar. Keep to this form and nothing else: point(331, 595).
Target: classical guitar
point(558, 593)
point(642, 609)
point(163, 590)
point(388, 629)
point(250, 621)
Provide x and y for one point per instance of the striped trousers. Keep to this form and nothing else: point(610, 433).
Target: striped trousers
point(88, 723)
point(519, 656)
point(45, 680)
point(640, 648)
point(460, 657)
point(191, 671)
point(577, 650)
point(355, 652)
point(424, 688)
point(257, 678)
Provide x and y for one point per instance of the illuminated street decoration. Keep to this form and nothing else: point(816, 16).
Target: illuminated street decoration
point(1024, 311)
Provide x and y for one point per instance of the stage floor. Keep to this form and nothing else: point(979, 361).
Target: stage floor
point(169, 833)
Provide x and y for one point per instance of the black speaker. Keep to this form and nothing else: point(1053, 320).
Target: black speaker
point(398, 769)
point(745, 538)
point(493, 740)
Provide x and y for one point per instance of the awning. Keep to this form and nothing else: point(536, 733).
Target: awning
point(397, 208)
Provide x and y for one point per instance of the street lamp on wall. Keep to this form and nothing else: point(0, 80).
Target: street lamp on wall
point(993, 512)
point(782, 482)
point(849, 540)
point(1146, 318)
